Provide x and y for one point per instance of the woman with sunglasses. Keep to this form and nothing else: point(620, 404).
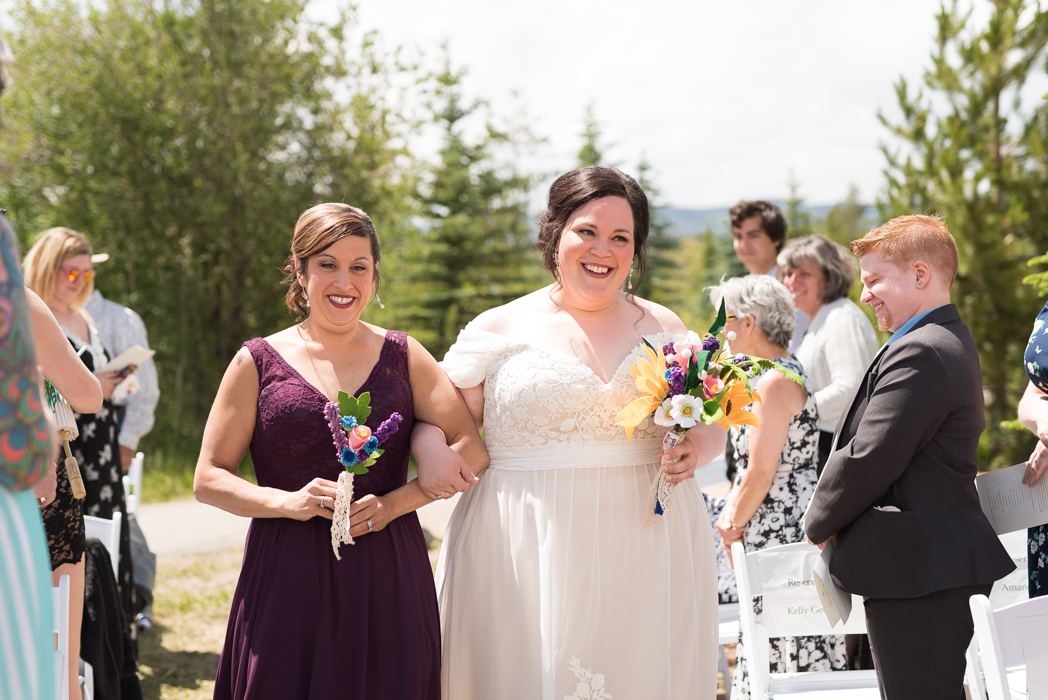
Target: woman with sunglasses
point(58, 269)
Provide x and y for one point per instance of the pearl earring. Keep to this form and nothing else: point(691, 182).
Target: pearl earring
point(379, 300)
point(307, 302)
point(629, 282)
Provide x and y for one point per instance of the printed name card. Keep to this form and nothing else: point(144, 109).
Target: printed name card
point(1015, 587)
point(791, 604)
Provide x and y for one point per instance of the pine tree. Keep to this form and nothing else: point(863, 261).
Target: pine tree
point(475, 249)
point(593, 150)
point(662, 246)
point(971, 153)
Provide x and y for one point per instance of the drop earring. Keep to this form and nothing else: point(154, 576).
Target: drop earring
point(556, 265)
point(307, 302)
point(629, 280)
point(379, 300)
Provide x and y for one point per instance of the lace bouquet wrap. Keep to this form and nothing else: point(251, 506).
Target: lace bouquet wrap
point(687, 382)
point(357, 449)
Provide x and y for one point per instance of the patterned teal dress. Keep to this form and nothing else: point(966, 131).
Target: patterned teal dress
point(1036, 363)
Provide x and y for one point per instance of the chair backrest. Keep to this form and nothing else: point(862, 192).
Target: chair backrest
point(133, 484)
point(109, 532)
point(782, 576)
point(1000, 637)
point(60, 626)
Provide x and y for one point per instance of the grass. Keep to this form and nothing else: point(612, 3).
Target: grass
point(168, 476)
point(179, 656)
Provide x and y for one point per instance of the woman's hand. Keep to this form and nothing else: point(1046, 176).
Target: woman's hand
point(369, 508)
point(1038, 460)
point(697, 448)
point(442, 472)
point(46, 488)
point(315, 498)
point(108, 380)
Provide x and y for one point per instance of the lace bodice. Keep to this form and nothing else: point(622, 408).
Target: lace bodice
point(535, 397)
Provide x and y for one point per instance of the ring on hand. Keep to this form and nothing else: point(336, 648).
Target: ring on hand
point(322, 502)
point(369, 524)
point(441, 496)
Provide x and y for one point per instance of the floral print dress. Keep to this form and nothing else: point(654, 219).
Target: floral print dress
point(777, 522)
point(1036, 364)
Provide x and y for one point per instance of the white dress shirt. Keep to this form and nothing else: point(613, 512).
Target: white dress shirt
point(120, 329)
point(836, 350)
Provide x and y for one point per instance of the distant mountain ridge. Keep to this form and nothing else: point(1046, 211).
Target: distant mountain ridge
point(688, 222)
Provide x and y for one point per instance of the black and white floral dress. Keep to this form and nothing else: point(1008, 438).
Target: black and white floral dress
point(777, 522)
point(97, 451)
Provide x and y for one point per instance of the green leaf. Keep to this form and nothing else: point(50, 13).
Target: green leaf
point(347, 405)
point(718, 324)
point(693, 371)
point(712, 411)
point(645, 341)
point(364, 400)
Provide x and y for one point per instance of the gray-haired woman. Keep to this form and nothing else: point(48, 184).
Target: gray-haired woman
point(776, 461)
point(840, 342)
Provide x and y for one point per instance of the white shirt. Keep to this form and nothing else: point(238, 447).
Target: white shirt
point(121, 328)
point(835, 352)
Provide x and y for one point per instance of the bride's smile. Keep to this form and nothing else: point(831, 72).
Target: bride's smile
point(595, 252)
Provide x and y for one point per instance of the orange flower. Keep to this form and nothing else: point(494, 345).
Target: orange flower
point(650, 376)
point(734, 402)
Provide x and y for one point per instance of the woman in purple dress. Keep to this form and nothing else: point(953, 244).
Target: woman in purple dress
point(303, 624)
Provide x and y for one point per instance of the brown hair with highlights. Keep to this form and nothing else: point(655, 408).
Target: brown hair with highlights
point(316, 229)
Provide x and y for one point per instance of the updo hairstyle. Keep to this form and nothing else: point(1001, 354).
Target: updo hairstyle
point(51, 249)
point(316, 230)
point(573, 190)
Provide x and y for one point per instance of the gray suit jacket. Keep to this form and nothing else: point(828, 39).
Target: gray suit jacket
point(909, 440)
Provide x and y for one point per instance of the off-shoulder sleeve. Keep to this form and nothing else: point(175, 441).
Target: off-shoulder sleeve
point(466, 362)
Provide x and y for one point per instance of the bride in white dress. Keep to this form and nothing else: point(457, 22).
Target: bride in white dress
point(549, 585)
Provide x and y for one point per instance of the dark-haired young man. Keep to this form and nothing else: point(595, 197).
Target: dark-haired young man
point(758, 231)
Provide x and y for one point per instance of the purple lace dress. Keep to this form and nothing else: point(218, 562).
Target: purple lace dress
point(302, 624)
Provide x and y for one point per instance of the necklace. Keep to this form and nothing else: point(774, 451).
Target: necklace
point(327, 390)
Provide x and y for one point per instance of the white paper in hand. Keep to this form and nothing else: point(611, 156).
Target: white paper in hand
point(835, 602)
point(134, 355)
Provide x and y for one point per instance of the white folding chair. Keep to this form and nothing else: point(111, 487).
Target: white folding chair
point(1013, 588)
point(87, 681)
point(728, 618)
point(1001, 643)
point(133, 484)
point(825, 685)
point(109, 532)
point(60, 626)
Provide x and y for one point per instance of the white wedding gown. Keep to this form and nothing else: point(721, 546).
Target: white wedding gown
point(549, 585)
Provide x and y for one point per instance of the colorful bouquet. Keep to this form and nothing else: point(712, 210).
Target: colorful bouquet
point(357, 449)
point(691, 381)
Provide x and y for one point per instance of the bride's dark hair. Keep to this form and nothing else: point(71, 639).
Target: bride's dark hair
point(573, 190)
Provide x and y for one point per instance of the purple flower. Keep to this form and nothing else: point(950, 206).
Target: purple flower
point(676, 377)
point(388, 427)
point(739, 359)
point(711, 344)
point(667, 349)
point(335, 423)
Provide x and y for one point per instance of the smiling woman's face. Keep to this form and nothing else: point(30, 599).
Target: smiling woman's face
point(339, 281)
point(596, 250)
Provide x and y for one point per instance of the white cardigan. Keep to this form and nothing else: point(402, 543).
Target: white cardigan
point(835, 351)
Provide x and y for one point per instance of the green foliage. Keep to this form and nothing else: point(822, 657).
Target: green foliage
point(662, 247)
point(593, 150)
point(1038, 280)
point(475, 249)
point(973, 154)
point(184, 139)
point(355, 406)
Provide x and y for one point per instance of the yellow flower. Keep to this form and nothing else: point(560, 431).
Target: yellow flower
point(651, 381)
point(734, 402)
